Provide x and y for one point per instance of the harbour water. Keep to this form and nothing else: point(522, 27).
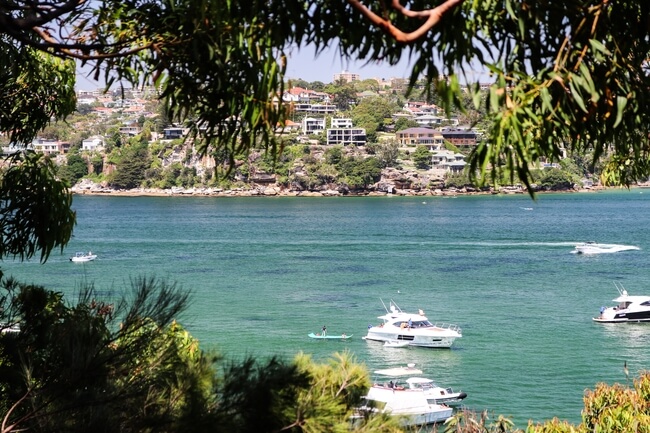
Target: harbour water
point(265, 272)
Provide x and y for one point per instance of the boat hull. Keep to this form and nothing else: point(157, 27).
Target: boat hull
point(396, 344)
point(82, 259)
point(425, 417)
point(624, 317)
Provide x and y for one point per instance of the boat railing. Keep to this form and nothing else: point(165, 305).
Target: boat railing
point(449, 326)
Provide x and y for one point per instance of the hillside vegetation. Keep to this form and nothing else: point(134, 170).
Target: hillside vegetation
point(305, 164)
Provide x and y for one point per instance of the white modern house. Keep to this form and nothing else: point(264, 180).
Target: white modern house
point(341, 122)
point(428, 119)
point(343, 132)
point(92, 143)
point(175, 132)
point(311, 125)
point(345, 136)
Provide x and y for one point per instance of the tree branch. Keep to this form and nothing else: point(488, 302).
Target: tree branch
point(37, 14)
point(432, 17)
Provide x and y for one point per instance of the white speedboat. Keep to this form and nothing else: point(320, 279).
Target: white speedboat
point(596, 248)
point(415, 329)
point(629, 309)
point(83, 257)
point(416, 400)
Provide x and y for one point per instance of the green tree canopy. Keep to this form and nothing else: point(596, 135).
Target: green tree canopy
point(76, 167)
point(405, 123)
point(132, 162)
point(36, 213)
point(35, 88)
point(422, 158)
point(371, 113)
point(386, 152)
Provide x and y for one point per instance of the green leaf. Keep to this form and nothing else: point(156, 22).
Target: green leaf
point(577, 97)
point(621, 102)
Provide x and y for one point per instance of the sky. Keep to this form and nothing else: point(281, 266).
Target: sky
point(305, 64)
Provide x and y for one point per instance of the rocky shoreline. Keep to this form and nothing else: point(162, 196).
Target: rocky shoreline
point(87, 187)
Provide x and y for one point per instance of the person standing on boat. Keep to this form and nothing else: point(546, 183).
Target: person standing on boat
point(410, 323)
point(324, 331)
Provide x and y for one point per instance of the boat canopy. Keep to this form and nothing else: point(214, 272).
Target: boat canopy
point(418, 380)
point(398, 371)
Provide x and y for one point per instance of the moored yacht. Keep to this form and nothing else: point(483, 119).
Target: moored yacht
point(399, 326)
point(414, 382)
point(416, 400)
point(629, 309)
point(81, 257)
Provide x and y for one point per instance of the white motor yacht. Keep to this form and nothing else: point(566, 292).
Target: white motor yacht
point(629, 309)
point(417, 400)
point(414, 382)
point(83, 257)
point(398, 326)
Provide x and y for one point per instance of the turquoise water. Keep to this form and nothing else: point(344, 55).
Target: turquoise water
point(264, 272)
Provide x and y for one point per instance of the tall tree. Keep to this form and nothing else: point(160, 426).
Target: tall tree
point(422, 158)
point(133, 162)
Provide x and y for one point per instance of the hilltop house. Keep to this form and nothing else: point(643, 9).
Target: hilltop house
point(92, 143)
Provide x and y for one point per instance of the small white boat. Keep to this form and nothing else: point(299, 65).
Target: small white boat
point(83, 257)
point(629, 309)
point(414, 329)
point(596, 248)
point(416, 400)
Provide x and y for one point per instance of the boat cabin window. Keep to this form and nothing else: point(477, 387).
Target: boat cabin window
point(373, 404)
point(646, 303)
point(414, 324)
